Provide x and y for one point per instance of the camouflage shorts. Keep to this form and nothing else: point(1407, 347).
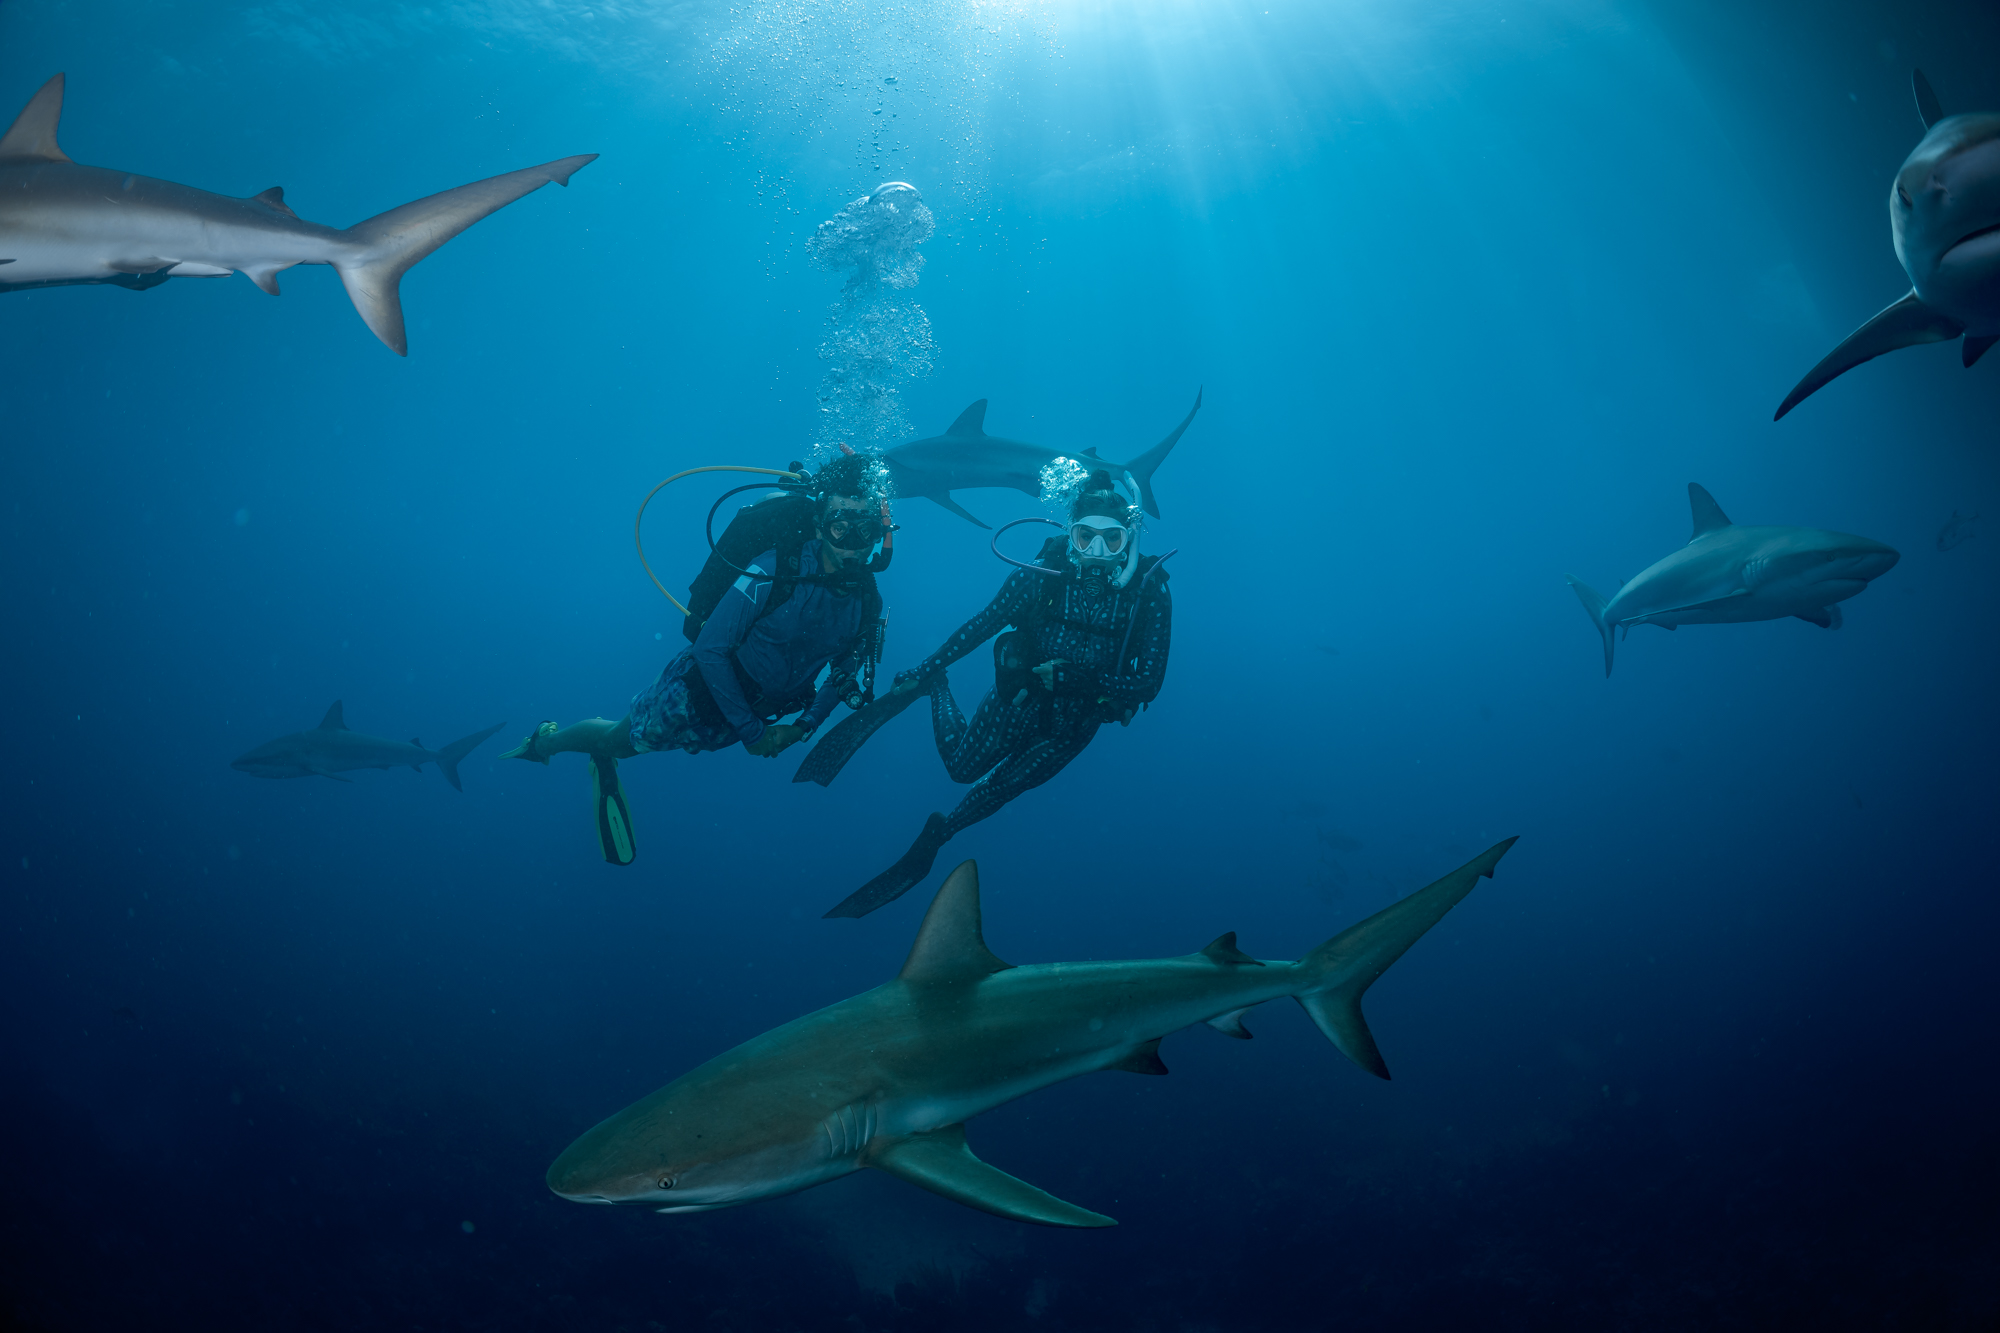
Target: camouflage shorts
point(665, 718)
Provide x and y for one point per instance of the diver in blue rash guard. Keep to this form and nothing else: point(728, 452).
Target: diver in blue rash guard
point(1093, 626)
point(756, 657)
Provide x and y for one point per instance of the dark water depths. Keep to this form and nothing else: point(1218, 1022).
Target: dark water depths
point(1473, 292)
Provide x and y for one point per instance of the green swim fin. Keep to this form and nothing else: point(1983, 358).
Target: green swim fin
point(614, 817)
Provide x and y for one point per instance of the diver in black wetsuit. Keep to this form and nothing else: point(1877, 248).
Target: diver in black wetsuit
point(1092, 625)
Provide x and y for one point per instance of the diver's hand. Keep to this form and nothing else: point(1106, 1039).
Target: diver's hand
point(776, 740)
point(1047, 671)
point(906, 685)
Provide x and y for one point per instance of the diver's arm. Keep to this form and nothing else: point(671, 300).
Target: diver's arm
point(715, 647)
point(1006, 608)
point(1151, 642)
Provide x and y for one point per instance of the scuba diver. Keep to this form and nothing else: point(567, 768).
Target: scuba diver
point(1092, 621)
point(761, 631)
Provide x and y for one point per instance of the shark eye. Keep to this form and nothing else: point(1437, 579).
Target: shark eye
point(666, 1182)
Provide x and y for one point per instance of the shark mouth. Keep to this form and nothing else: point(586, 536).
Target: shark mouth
point(1969, 238)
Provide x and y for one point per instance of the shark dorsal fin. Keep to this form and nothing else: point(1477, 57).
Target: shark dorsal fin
point(333, 721)
point(1927, 100)
point(1091, 452)
point(275, 198)
point(1223, 950)
point(33, 137)
point(1708, 515)
point(971, 422)
point(949, 944)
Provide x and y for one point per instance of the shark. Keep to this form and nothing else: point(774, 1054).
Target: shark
point(887, 1079)
point(63, 224)
point(965, 457)
point(1728, 574)
point(330, 749)
point(1944, 216)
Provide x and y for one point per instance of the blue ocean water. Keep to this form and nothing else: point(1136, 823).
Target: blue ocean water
point(1471, 293)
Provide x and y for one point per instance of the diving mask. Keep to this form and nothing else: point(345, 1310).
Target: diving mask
point(853, 534)
point(1099, 536)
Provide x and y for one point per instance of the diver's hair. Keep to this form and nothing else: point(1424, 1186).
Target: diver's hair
point(1099, 495)
point(854, 476)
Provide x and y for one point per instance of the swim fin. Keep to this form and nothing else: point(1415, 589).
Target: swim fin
point(901, 877)
point(824, 762)
point(614, 817)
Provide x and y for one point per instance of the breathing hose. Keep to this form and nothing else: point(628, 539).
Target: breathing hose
point(638, 521)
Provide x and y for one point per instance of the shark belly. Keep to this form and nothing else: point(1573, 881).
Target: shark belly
point(64, 223)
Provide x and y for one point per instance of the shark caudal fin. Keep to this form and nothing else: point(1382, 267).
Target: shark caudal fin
point(394, 241)
point(1595, 604)
point(1347, 965)
point(1907, 323)
point(449, 757)
point(1143, 467)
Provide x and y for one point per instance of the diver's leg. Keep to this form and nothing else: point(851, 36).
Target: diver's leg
point(1022, 771)
point(996, 730)
point(595, 736)
point(947, 722)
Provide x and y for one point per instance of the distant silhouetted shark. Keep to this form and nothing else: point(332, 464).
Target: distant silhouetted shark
point(1728, 574)
point(63, 225)
point(1944, 212)
point(967, 458)
point(330, 749)
point(888, 1078)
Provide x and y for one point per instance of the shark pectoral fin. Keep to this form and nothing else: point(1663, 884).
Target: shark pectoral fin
point(956, 508)
point(1827, 617)
point(1904, 324)
point(941, 1162)
point(335, 776)
point(1143, 1059)
point(1976, 347)
point(266, 277)
point(1231, 1024)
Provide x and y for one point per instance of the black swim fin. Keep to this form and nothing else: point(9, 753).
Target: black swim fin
point(824, 761)
point(614, 817)
point(901, 877)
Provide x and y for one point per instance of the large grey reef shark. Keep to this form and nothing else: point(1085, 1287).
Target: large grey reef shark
point(63, 224)
point(330, 749)
point(888, 1078)
point(1944, 212)
point(965, 457)
point(1728, 574)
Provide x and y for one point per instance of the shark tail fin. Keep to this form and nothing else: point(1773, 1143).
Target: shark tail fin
point(448, 758)
point(391, 243)
point(1345, 966)
point(1142, 468)
point(1594, 604)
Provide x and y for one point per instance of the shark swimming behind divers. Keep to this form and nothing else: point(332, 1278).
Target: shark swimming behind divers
point(330, 749)
point(888, 1078)
point(63, 225)
point(1728, 575)
point(965, 457)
